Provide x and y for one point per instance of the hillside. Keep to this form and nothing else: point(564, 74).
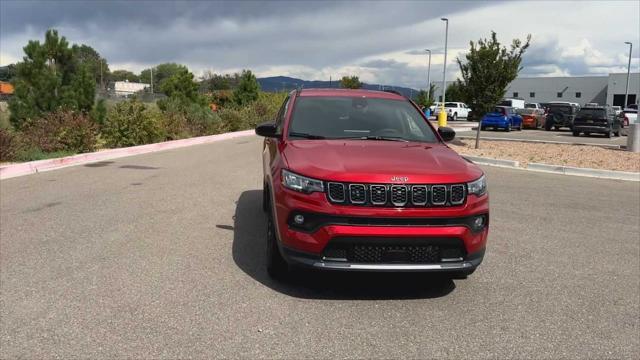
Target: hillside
point(279, 83)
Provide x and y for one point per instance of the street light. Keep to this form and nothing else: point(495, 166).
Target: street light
point(429, 76)
point(442, 116)
point(626, 92)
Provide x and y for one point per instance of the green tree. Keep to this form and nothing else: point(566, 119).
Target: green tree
point(48, 78)
point(96, 65)
point(248, 89)
point(123, 75)
point(350, 82)
point(182, 87)
point(487, 71)
point(424, 98)
point(455, 92)
point(161, 73)
point(213, 82)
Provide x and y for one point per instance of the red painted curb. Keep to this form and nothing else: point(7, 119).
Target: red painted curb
point(32, 167)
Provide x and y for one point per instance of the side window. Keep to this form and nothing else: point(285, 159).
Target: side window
point(281, 114)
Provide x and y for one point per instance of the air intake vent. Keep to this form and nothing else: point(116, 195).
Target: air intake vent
point(438, 194)
point(399, 195)
point(336, 192)
point(457, 194)
point(419, 195)
point(357, 193)
point(378, 194)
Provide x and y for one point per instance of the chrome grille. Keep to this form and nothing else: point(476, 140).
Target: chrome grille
point(336, 192)
point(438, 195)
point(419, 195)
point(399, 194)
point(457, 194)
point(378, 194)
point(357, 193)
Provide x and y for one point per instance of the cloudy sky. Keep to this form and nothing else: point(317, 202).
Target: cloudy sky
point(382, 42)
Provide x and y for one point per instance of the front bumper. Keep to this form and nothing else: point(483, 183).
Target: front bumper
point(318, 262)
point(407, 226)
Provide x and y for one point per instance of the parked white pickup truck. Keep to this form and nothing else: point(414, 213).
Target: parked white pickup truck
point(454, 110)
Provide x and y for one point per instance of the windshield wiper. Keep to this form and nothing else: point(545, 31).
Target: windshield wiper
point(381, 138)
point(306, 136)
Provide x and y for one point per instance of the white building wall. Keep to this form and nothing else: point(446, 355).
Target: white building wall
point(580, 90)
point(125, 87)
point(617, 85)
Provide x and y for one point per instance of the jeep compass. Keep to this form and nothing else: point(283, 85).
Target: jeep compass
point(360, 180)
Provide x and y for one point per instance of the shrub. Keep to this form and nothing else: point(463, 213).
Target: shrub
point(99, 112)
point(183, 119)
point(10, 145)
point(61, 130)
point(129, 123)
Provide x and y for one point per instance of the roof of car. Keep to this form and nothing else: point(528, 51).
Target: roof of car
point(351, 93)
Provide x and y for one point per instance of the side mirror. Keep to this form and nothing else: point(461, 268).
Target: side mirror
point(267, 129)
point(446, 133)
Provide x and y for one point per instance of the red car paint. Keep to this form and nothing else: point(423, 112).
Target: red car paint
point(367, 162)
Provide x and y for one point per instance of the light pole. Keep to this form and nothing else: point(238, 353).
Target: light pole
point(626, 92)
point(442, 116)
point(429, 76)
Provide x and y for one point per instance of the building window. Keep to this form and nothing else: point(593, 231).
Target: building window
point(515, 94)
point(559, 94)
point(578, 94)
point(532, 94)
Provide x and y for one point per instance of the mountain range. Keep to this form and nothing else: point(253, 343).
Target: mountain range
point(280, 83)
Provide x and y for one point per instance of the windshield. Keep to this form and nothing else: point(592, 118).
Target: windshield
point(528, 111)
point(499, 110)
point(591, 113)
point(530, 106)
point(358, 117)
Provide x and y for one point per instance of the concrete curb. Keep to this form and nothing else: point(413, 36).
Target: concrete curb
point(606, 146)
point(32, 167)
point(598, 173)
point(557, 169)
point(493, 162)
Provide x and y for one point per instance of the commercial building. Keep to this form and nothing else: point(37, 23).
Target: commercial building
point(124, 88)
point(579, 89)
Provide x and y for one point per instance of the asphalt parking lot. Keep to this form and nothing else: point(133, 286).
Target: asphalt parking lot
point(562, 135)
point(160, 256)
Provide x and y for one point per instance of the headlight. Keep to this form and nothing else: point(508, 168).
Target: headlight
point(301, 183)
point(478, 187)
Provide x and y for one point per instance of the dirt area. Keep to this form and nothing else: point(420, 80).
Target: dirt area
point(553, 154)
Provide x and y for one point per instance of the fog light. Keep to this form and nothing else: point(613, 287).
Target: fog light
point(298, 219)
point(477, 223)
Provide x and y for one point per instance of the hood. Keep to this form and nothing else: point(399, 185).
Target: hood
point(378, 161)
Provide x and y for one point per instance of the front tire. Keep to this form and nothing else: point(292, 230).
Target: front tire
point(455, 117)
point(508, 129)
point(608, 134)
point(576, 133)
point(276, 265)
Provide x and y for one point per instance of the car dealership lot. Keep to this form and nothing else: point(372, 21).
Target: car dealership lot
point(160, 255)
point(563, 135)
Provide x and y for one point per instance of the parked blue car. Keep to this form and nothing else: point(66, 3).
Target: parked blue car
point(502, 117)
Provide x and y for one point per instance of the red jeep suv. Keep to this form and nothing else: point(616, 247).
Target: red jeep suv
point(360, 180)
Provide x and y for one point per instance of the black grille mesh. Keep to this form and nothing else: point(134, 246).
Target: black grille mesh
point(438, 194)
point(457, 194)
point(399, 195)
point(357, 193)
point(378, 194)
point(402, 254)
point(419, 195)
point(336, 192)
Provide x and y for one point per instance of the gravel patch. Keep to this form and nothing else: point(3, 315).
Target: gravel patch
point(553, 154)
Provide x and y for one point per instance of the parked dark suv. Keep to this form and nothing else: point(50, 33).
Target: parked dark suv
point(359, 180)
point(560, 114)
point(601, 119)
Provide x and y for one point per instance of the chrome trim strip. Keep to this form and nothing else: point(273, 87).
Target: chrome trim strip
point(364, 191)
point(426, 195)
point(329, 192)
point(451, 259)
point(392, 267)
point(406, 195)
point(371, 196)
point(445, 194)
point(464, 194)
